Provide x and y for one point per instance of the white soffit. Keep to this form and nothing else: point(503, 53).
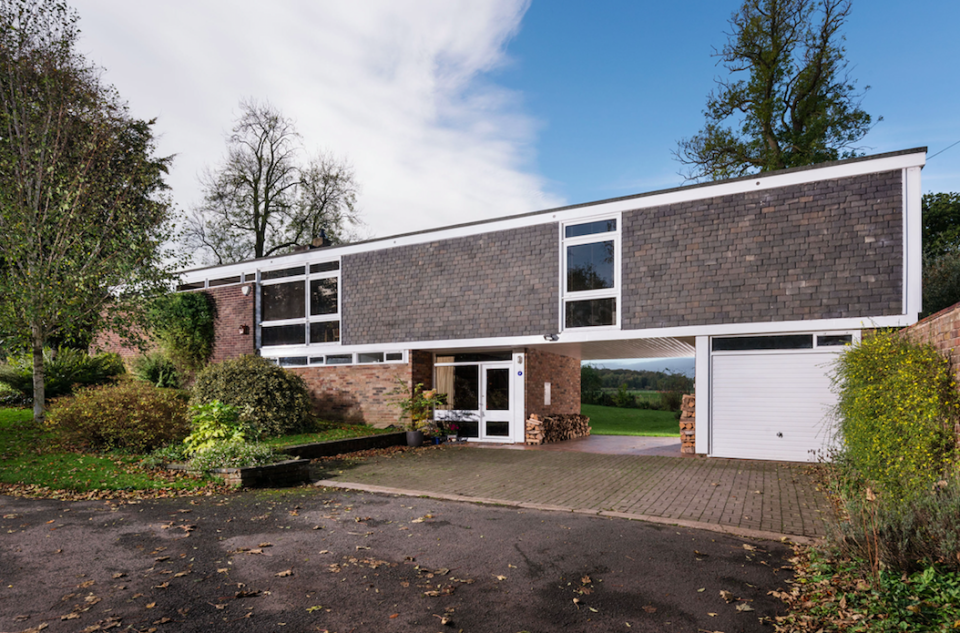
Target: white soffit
point(628, 348)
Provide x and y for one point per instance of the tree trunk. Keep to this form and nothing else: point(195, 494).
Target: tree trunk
point(38, 389)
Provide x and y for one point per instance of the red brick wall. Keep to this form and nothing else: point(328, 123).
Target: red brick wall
point(233, 310)
point(358, 393)
point(942, 330)
point(563, 374)
point(109, 341)
point(422, 369)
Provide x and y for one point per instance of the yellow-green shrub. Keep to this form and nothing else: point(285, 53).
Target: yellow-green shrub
point(898, 404)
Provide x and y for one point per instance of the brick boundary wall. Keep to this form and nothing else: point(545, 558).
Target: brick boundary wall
point(942, 330)
point(688, 425)
point(563, 374)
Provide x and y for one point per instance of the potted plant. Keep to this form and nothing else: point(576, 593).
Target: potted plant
point(453, 431)
point(416, 409)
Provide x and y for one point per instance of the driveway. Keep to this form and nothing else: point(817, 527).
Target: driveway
point(748, 498)
point(312, 559)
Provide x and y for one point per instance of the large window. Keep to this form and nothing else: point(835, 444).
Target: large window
point(591, 273)
point(299, 306)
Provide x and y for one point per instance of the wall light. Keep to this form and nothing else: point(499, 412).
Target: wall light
point(245, 290)
point(243, 330)
point(551, 337)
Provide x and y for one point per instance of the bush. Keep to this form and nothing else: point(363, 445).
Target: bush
point(128, 415)
point(897, 408)
point(158, 370)
point(63, 369)
point(236, 455)
point(214, 423)
point(273, 400)
point(182, 322)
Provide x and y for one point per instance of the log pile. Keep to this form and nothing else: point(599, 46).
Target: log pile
point(688, 425)
point(556, 428)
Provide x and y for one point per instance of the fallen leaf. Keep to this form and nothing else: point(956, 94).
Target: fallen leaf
point(500, 577)
point(265, 545)
point(392, 616)
point(223, 570)
point(324, 551)
point(160, 559)
point(284, 573)
point(749, 548)
point(743, 607)
point(360, 547)
point(699, 553)
point(119, 574)
point(585, 580)
point(727, 596)
point(151, 605)
point(181, 574)
point(163, 620)
point(70, 616)
point(701, 589)
point(162, 585)
point(650, 609)
point(712, 615)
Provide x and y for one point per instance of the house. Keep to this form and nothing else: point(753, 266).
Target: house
point(764, 279)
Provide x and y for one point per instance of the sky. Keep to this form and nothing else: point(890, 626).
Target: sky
point(454, 111)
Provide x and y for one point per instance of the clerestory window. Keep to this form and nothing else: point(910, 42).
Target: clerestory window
point(300, 305)
point(591, 273)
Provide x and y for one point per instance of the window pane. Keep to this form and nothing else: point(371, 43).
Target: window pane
point(193, 286)
point(225, 281)
point(376, 357)
point(394, 356)
point(286, 272)
point(591, 313)
point(325, 267)
point(340, 359)
point(498, 391)
point(590, 228)
point(832, 340)
point(742, 343)
point(283, 301)
point(283, 335)
point(325, 332)
point(497, 429)
point(323, 296)
point(316, 360)
point(590, 266)
point(465, 394)
point(293, 361)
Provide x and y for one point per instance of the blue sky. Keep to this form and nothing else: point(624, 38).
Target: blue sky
point(455, 111)
point(615, 85)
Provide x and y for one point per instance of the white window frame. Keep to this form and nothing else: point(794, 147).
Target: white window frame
point(585, 295)
point(307, 318)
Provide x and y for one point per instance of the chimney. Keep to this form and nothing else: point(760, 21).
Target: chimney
point(322, 241)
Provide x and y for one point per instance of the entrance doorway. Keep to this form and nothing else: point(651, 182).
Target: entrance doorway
point(480, 395)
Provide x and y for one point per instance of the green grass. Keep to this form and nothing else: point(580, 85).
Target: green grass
point(27, 457)
point(334, 431)
point(616, 421)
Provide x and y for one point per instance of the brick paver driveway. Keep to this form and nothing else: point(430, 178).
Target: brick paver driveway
point(750, 498)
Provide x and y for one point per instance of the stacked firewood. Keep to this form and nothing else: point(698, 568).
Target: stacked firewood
point(556, 428)
point(688, 425)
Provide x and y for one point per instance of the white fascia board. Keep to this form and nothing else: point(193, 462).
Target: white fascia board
point(572, 336)
point(581, 212)
point(912, 243)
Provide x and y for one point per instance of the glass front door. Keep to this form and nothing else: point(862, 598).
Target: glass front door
point(478, 399)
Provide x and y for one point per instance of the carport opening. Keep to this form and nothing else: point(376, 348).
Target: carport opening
point(636, 397)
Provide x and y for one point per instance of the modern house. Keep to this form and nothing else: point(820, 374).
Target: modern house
point(763, 279)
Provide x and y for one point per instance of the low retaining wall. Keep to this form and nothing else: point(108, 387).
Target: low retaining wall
point(289, 473)
point(351, 445)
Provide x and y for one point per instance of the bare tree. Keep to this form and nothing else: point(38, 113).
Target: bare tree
point(262, 201)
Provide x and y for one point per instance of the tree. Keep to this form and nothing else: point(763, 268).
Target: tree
point(796, 105)
point(940, 214)
point(262, 201)
point(82, 212)
point(591, 386)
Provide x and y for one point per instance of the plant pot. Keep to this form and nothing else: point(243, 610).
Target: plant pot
point(414, 438)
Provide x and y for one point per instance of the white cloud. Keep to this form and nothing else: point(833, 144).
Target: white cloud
point(398, 88)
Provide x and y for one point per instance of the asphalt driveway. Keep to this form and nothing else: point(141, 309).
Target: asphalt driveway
point(313, 559)
point(748, 498)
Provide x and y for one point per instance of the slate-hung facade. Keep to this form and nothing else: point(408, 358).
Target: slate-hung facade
point(763, 279)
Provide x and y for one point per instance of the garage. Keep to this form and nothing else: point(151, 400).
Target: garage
point(771, 395)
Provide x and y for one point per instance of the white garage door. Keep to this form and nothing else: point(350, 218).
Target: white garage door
point(772, 405)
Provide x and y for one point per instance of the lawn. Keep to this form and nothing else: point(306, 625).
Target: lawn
point(617, 421)
point(28, 458)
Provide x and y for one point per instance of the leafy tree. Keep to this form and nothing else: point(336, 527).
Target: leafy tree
point(941, 223)
point(262, 201)
point(591, 386)
point(795, 106)
point(82, 212)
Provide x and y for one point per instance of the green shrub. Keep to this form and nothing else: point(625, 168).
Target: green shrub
point(182, 323)
point(62, 370)
point(214, 423)
point(897, 408)
point(158, 370)
point(273, 400)
point(128, 415)
point(236, 455)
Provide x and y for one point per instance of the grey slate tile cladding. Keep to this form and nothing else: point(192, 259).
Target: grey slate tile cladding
point(820, 250)
point(503, 283)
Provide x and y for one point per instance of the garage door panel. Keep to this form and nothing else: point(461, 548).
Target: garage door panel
point(772, 406)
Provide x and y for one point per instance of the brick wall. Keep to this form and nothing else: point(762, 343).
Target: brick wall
point(942, 330)
point(502, 283)
point(233, 311)
point(357, 393)
point(563, 374)
point(110, 341)
point(826, 249)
